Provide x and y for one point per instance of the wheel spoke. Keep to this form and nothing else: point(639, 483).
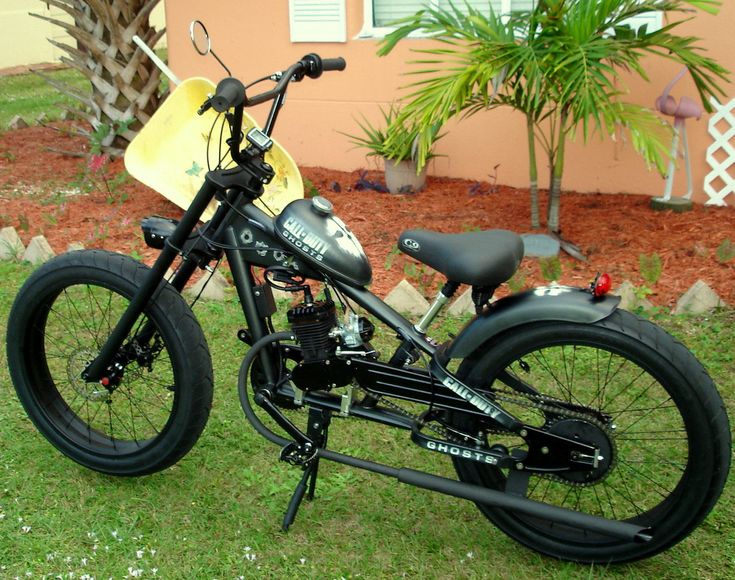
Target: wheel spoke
point(76, 325)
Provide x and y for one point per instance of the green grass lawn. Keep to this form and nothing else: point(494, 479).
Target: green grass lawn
point(29, 95)
point(217, 513)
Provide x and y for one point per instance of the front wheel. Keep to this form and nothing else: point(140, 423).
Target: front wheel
point(154, 410)
point(626, 386)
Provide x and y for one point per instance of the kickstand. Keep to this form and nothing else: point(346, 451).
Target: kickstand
point(317, 432)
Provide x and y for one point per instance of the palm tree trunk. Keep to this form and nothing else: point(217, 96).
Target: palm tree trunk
point(557, 163)
point(532, 171)
point(124, 81)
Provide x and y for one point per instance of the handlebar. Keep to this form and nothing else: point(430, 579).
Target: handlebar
point(230, 92)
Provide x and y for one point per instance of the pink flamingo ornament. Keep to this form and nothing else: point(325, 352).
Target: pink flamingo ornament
point(685, 109)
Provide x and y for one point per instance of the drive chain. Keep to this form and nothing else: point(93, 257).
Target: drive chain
point(537, 402)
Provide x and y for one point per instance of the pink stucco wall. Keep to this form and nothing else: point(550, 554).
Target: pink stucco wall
point(252, 37)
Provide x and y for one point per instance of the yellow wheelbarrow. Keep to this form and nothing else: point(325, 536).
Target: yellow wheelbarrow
point(169, 154)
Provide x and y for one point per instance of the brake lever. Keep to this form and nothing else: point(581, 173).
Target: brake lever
point(206, 105)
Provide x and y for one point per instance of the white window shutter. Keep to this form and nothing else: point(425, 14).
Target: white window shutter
point(652, 20)
point(317, 20)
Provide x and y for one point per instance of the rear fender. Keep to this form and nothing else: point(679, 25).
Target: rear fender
point(544, 304)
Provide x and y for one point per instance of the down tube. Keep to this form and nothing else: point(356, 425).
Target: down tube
point(244, 282)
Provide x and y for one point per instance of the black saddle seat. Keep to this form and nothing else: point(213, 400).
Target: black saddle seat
point(486, 258)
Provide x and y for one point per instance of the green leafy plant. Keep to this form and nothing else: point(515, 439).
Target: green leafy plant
point(50, 219)
point(397, 141)
point(725, 251)
point(105, 133)
point(96, 176)
point(642, 292)
point(23, 223)
point(310, 190)
point(550, 268)
point(394, 251)
point(422, 275)
point(563, 65)
point(650, 268)
point(517, 282)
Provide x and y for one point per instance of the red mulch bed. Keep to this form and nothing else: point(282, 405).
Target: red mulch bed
point(612, 230)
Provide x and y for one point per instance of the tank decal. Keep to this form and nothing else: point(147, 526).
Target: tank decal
point(296, 233)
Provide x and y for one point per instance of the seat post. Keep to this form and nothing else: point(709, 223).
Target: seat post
point(441, 299)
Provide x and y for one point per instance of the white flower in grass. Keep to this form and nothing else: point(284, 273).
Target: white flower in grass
point(139, 554)
point(152, 551)
point(135, 572)
point(154, 571)
point(83, 561)
point(114, 533)
point(25, 529)
point(302, 560)
point(470, 555)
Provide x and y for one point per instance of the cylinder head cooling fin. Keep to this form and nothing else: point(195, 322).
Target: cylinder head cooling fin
point(311, 323)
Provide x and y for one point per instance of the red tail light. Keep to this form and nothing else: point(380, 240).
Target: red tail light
point(601, 285)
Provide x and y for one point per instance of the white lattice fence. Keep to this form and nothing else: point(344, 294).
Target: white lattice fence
point(720, 182)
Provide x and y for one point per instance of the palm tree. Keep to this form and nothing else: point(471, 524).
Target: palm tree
point(125, 83)
point(560, 64)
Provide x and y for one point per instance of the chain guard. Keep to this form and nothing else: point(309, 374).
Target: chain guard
point(560, 417)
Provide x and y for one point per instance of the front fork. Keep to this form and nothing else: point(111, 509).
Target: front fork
point(100, 366)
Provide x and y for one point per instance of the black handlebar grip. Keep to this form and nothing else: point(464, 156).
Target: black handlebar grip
point(333, 63)
point(230, 93)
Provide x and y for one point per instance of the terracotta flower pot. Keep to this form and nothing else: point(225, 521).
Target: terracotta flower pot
point(400, 177)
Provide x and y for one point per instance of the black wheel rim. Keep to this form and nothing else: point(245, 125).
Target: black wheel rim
point(652, 448)
point(67, 332)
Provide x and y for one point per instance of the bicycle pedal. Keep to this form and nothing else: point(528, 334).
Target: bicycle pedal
point(295, 454)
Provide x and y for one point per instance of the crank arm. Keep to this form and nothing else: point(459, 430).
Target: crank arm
point(263, 399)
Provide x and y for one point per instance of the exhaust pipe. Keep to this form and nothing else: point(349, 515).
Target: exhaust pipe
point(478, 494)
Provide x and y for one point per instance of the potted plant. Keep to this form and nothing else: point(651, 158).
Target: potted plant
point(403, 171)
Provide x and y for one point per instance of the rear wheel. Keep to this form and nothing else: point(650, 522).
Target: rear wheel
point(148, 416)
point(631, 390)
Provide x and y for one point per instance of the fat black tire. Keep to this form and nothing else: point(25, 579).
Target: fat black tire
point(60, 318)
point(689, 479)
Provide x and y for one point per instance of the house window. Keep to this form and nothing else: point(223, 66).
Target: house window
point(380, 13)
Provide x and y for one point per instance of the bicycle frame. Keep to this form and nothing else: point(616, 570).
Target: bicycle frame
point(227, 232)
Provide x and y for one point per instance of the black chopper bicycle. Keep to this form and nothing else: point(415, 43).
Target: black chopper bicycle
point(578, 429)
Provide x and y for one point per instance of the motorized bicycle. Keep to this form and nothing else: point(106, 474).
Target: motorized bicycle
point(578, 429)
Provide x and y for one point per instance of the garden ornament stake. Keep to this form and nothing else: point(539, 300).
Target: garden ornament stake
point(685, 109)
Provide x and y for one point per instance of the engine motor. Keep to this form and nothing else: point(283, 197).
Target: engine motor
point(312, 323)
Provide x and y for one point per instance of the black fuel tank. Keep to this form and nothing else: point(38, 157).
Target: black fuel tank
point(313, 232)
